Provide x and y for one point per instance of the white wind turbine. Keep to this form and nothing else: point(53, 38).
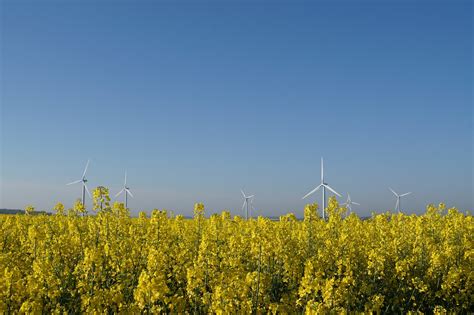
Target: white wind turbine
point(324, 186)
point(397, 205)
point(247, 204)
point(83, 180)
point(126, 190)
point(348, 204)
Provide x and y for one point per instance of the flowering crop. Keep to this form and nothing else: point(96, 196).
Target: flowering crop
point(112, 263)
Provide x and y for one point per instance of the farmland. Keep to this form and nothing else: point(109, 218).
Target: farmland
point(112, 263)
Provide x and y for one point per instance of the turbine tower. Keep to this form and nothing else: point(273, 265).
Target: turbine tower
point(247, 204)
point(397, 205)
point(324, 185)
point(126, 190)
point(348, 204)
point(83, 180)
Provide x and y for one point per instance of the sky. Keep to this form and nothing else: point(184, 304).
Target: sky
point(196, 100)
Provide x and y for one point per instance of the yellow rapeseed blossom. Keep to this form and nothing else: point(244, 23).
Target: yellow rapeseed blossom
point(162, 263)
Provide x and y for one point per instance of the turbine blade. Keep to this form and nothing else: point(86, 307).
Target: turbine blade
point(312, 191)
point(88, 192)
point(74, 182)
point(396, 204)
point(250, 196)
point(335, 192)
point(243, 194)
point(405, 194)
point(125, 183)
point(355, 203)
point(243, 206)
point(85, 170)
point(129, 192)
point(118, 194)
point(393, 191)
point(322, 170)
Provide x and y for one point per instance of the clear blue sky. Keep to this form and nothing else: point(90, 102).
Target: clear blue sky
point(198, 99)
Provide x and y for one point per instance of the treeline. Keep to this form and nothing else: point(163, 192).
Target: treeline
point(19, 211)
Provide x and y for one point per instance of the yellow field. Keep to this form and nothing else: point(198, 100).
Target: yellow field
point(116, 264)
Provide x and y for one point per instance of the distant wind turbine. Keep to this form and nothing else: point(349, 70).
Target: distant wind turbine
point(247, 204)
point(397, 205)
point(324, 186)
point(127, 191)
point(83, 180)
point(348, 204)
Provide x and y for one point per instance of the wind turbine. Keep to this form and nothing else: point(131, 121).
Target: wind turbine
point(324, 185)
point(83, 180)
point(126, 190)
point(397, 205)
point(246, 203)
point(349, 203)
